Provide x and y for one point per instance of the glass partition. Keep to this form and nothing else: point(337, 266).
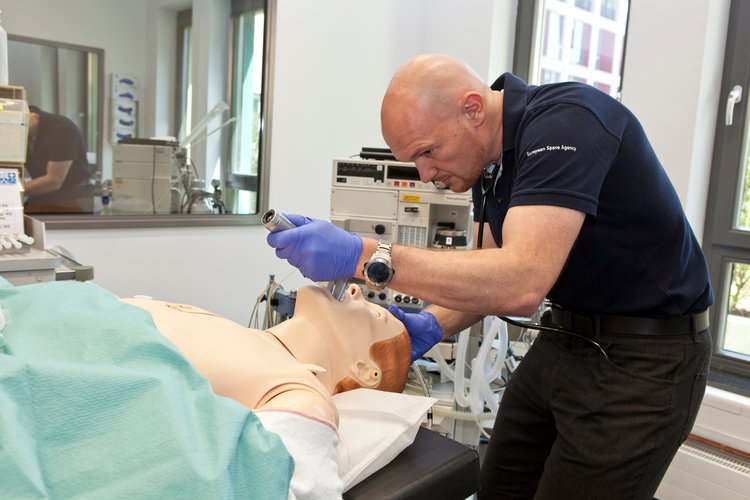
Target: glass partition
point(68, 80)
point(62, 79)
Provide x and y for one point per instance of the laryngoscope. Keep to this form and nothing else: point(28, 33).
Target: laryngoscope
point(275, 221)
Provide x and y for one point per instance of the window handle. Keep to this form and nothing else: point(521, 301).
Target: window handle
point(735, 96)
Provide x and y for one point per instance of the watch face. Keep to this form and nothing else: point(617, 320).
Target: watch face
point(378, 272)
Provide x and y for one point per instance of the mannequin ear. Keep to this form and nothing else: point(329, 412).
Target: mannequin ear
point(366, 373)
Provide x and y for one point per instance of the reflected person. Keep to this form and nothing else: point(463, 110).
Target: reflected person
point(56, 161)
point(327, 347)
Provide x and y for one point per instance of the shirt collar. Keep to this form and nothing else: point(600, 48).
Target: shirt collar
point(514, 106)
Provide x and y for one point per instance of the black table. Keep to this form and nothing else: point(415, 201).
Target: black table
point(433, 467)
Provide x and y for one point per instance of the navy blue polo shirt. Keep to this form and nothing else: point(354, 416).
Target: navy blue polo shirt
point(571, 145)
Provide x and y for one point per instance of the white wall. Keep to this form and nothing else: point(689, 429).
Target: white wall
point(334, 59)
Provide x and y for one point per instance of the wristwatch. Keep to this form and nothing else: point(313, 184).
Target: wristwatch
point(379, 269)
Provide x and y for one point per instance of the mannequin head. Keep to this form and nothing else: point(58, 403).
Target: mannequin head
point(368, 346)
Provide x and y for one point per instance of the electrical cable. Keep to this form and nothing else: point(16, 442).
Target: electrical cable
point(420, 379)
point(267, 294)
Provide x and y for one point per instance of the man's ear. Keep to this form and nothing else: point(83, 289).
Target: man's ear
point(366, 373)
point(473, 107)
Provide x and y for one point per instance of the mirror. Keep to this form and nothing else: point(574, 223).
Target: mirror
point(67, 80)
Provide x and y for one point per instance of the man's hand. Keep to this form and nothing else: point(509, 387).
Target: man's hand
point(423, 328)
point(51, 181)
point(320, 250)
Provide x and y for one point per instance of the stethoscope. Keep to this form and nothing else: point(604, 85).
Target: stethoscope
point(488, 181)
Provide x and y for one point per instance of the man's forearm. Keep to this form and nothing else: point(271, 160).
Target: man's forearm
point(40, 185)
point(508, 281)
point(458, 280)
point(51, 181)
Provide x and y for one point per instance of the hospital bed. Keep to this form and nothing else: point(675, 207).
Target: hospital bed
point(94, 403)
point(433, 466)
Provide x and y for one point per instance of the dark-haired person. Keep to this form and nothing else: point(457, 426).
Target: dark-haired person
point(56, 161)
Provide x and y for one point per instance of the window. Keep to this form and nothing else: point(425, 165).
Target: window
point(246, 91)
point(565, 34)
point(580, 42)
point(603, 87)
point(554, 41)
point(184, 104)
point(238, 173)
point(727, 235)
point(610, 9)
point(606, 51)
point(584, 4)
point(550, 76)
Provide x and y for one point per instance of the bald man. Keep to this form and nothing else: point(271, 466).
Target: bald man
point(570, 204)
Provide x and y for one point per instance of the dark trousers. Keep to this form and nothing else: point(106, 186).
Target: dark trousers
point(574, 425)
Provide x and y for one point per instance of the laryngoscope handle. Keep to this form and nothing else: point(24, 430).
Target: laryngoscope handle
point(275, 221)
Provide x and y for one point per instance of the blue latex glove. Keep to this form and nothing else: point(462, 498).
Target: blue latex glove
point(320, 250)
point(423, 328)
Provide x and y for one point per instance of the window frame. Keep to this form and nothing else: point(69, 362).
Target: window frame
point(722, 243)
point(241, 181)
point(184, 20)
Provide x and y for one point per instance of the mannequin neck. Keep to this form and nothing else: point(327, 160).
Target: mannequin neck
point(306, 342)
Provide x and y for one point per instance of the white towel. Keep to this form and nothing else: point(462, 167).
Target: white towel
point(312, 444)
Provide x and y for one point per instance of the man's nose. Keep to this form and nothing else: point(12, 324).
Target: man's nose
point(426, 172)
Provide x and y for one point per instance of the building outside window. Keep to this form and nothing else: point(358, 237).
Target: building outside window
point(572, 31)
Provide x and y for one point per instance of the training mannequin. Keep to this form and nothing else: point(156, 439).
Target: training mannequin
point(325, 348)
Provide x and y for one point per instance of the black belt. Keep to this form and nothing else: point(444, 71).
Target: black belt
point(628, 325)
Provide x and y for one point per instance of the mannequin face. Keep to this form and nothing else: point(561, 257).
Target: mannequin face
point(354, 319)
point(371, 347)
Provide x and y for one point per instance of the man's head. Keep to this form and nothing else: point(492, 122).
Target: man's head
point(440, 115)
